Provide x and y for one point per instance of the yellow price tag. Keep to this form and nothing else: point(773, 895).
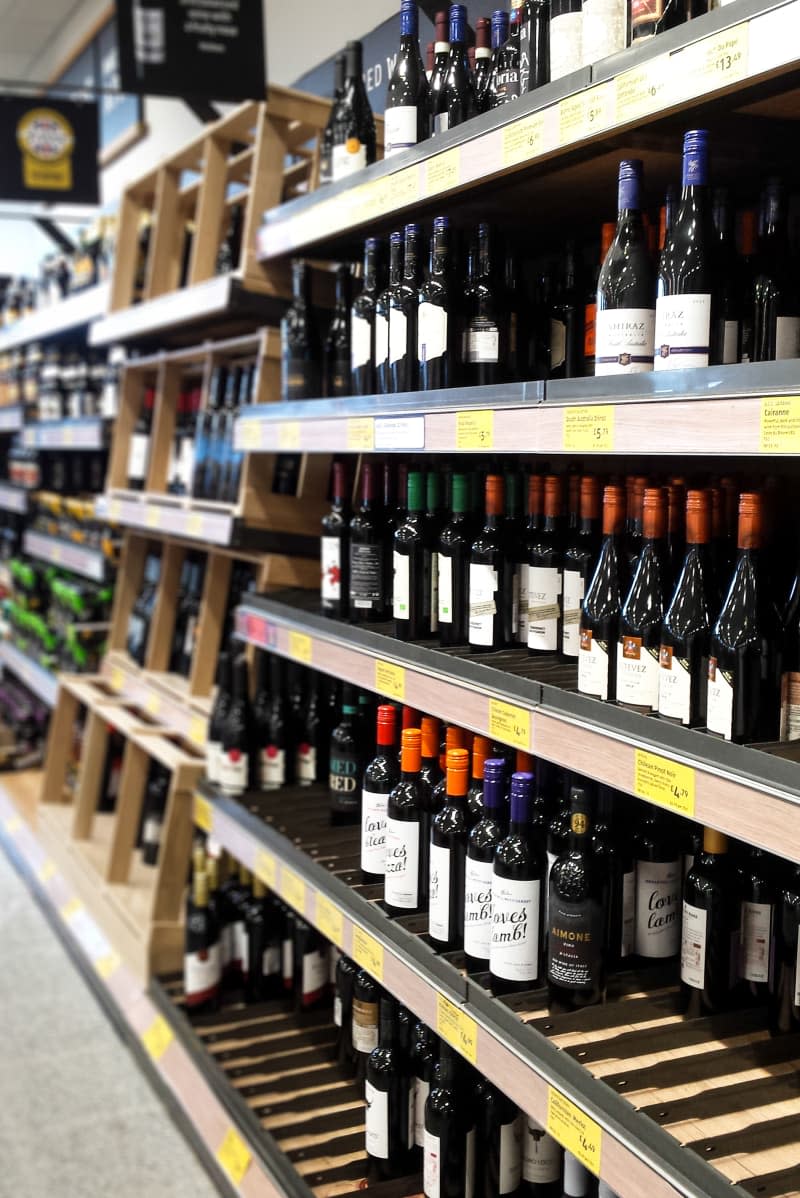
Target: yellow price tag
point(249, 434)
point(108, 964)
point(234, 1156)
point(509, 724)
point(68, 436)
point(56, 554)
point(71, 909)
point(574, 1130)
point(368, 953)
point(13, 824)
point(525, 139)
point(117, 680)
point(590, 429)
point(456, 1027)
point(664, 782)
point(197, 730)
point(289, 434)
point(780, 424)
point(158, 1037)
point(203, 813)
point(585, 114)
point(266, 869)
point(300, 647)
point(114, 511)
point(293, 889)
point(46, 871)
point(153, 703)
point(152, 517)
point(443, 172)
point(330, 920)
point(643, 89)
point(404, 188)
point(361, 434)
point(194, 525)
point(390, 680)
point(715, 61)
point(475, 430)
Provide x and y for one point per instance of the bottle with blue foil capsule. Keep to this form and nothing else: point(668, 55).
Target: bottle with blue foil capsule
point(403, 306)
point(382, 374)
point(515, 946)
point(479, 867)
point(456, 101)
point(494, 92)
point(362, 321)
point(407, 115)
point(435, 329)
point(685, 275)
point(625, 316)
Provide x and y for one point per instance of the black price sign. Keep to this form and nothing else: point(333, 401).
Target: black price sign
point(48, 150)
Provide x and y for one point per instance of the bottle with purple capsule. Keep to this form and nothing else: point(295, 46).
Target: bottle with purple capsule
point(515, 947)
point(479, 870)
point(407, 114)
point(456, 101)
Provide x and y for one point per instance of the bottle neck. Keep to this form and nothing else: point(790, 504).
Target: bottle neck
point(411, 267)
point(440, 253)
point(395, 263)
point(371, 269)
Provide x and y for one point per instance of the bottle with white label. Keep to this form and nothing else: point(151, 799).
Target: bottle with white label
point(407, 109)
point(449, 1139)
point(346, 971)
point(436, 341)
point(423, 1060)
point(411, 590)
point(542, 1162)
point(659, 874)
point(479, 867)
point(362, 321)
point(577, 1178)
point(684, 283)
point(365, 1019)
point(776, 327)
point(237, 735)
point(335, 549)
point(757, 918)
point(566, 37)
point(726, 332)
point(353, 122)
point(432, 525)
point(202, 965)
point(790, 666)
point(405, 884)
point(403, 315)
point(710, 930)
point(642, 611)
point(452, 565)
point(263, 946)
point(519, 868)
point(580, 558)
point(491, 577)
point(448, 850)
point(529, 538)
point(599, 622)
point(498, 1143)
point(310, 958)
point(380, 361)
point(486, 337)
point(784, 1009)
point(389, 1097)
point(380, 778)
point(545, 573)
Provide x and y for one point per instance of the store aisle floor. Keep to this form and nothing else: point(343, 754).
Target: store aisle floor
point(77, 1117)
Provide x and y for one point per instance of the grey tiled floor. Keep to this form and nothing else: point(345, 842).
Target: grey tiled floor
point(77, 1117)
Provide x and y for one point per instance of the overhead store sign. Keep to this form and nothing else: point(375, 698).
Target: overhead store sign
point(212, 49)
point(48, 150)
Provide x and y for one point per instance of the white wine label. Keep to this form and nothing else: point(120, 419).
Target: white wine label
point(541, 1155)
point(360, 342)
point(348, 158)
point(558, 344)
point(402, 864)
point(683, 328)
point(373, 831)
point(755, 941)
point(482, 604)
point(399, 129)
point(441, 122)
point(431, 1160)
point(398, 335)
point(566, 51)
point(444, 570)
point(510, 1172)
point(331, 560)
point(605, 29)
point(790, 706)
point(271, 961)
point(365, 1025)
point(381, 339)
point(233, 771)
point(637, 673)
point(674, 686)
point(521, 573)
point(483, 344)
point(693, 947)
point(787, 337)
point(337, 1010)
point(202, 972)
point(377, 1121)
point(730, 342)
point(306, 764)
point(570, 625)
point(401, 599)
point(431, 332)
point(514, 949)
point(719, 713)
point(544, 607)
point(624, 340)
point(628, 929)
point(439, 893)
point(241, 943)
point(287, 960)
point(151, 832)
point(271, 767)
point(314, 972)
point(421, 1089)
point(432, 575)
point(592, 666)
point(658, 908)
point(477, 908)
point(137, 456)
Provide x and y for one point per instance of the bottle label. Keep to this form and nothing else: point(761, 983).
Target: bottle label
point(730, 342)
point(637, 673)
point(558, 344)
point(381, 339)
point(444, 568)
point(373, 831)
point(330, 552)
point(477, 908)
point(287, 962)
point(271, 767)
point(421, 1090)
point(515, 603)
point(755, 942)
point(360, 342)
point(674, 686)
point(482, 604)
point(790, 706)
point(541, 1156)
point(628, 913)
point(202, 973)
point(575, 943)
point(271, 961)
point(343, 780)
point(439, 893)
point(605, 29)
point(658, 906)
point(431, 332)
point(151, 833)
point(590, 333)
point(402, 864)
point(624, 341)
point(398, 335)
point(514, 949)
point(377, 1121)
point(241, 943)
point(431, 1162)
point(366, 576)
point(719, 714)
point(365, 1025)
point(137, 457)
point(401, 601)
point(305, 764)
point(399, 129)
point(693, 947)
point(432, 577)
point(483, 342)
point(570, 627)
point(787, 337)
point(441, 122)
point(314, 974)
point(566, 51)
point(683, 326)
point(233, 771)
point(521, 573)
point(337, 1010)
point(510, 1172)
point(544, 607)
point(348, 158)
point(592, 666)
point(506, 85)
point(645, 12)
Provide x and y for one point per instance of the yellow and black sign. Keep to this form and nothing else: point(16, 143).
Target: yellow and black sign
point(48, 150)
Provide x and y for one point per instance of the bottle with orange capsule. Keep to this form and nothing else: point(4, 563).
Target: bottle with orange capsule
point(481, 748)
point(404, 883)
point(448, 851)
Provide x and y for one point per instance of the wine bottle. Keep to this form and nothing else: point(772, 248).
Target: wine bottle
point(423, 1061)
point(659, 872)
point(441, 50)
point(566, 37)
point(403, 312)
point(516, 550)
point(140, 443)
point(219, 712)
point(346, 971)
point(407, 109)
point(366, 996)
point(336, 347)
point(626, 316)
point(607, 231)
point(263, 946)
point(388, 1097)
point(577, 915)
point(491, 577)
point(642, 612)
point(448, 849)
point(684, 282)
point(577, 1178)
point(650, 17)
point(363, 380)
point(483, 59)
point(710, 923)
point(726, 332)
point(516, 941)
point(748, 266)
point(776, 311)
point(758, 910)
point(237, 736)
point(346, 765)
point(380, 778)
point(685, 632)
point(482, 845)
point(545, 573)
point(411, 585)
point(430, 769)
point(580, 559)
point(784, 1013)
point(529, 540)
point(300, 347)
point(334, 549)
point(326, 143)
point(436, 351)
point(498, 1144)
point(432, 526)
point(354, 124)
point(533, 32)
point(202, 968)
point(599, 624)
point(452, 562)
point(566, 320)
point(367, 574)
point(153, 814)
point(310, 962)
point(220, 907)
point(405, 883)
point(486, 339)
point(481, 750)
point(503, 85)
point(455, 100)
point(382, 373)
point(542, 1160)
point(634, 535)
point(789, 728)
point(448, 1154)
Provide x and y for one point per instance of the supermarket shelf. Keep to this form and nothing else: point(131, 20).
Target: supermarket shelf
point(215, 524)
point(237, 1164)
point(41, 681)
point(71, 313)
point(164, 697)
point(11, 418)
point(90, 432)
point(89, 563)
point(724, 51)
point(748, 793)
point(13, 499)
point(721, 410)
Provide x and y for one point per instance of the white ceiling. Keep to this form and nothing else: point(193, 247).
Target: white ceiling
point(35, 32)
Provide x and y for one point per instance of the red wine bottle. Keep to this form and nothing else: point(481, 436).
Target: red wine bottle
point(346, 971)
point(335, 549)
point(515, 949)
point(411, 584)
point(408, 99)
point(382, 373)
point(452, 561)
point(790, 666)
point(776, 309)
point(367, 550)
point(405, 884)
point(235, 763)
point(449, 1132)
point(455, 100)
point(758, 912)
point(542, 1162)
point(403, 312)
point(483, 59)
point(484, 839)
point(491, 577)
point(388, 1097)
point(263, 946)
point(380, 778)
point(301, 352)
point(599, 624)
point(784, 1011)
point(659, 873)
point(448, 850)
point(423, 1060)
point(486, 339)
point(202, 966)
point(353, 122)
point(336, 346)
point(362, 322)
point(436, 328)
point(498, 1144)
point(710, 926)
point(580, 559)
point(441, 50)
point(346, 765)
point(642, 613)
point(366, 994)
point(545, 573)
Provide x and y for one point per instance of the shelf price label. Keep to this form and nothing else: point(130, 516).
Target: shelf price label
point(197, 730)
point(107, 964)
point(456, 1027)
point(404, 188)
point(715, 61)
point(644, 89)
point(46, 871)
point(293, 889)
point(13, 824)
point(525, 139)
point(300, 647)
point(153, 704)
point(574, 1130)
point(194, 524)
point(368, 953)
point(780, 424)
point(266, 868)
point(390, 680)
point(510, 724)
point(443, 172)
point(664, 782)
point(234, 1156)
point(475, 430)
point(585, 114)
point(289, 434)
point(152, 517)
point(71, 909)
point(203, 813)
point(114, 511)
point(117, 679)
point(249, 434)
point(158, 1037)
point(589, 429)
point(330, 920)
point(361, 434)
